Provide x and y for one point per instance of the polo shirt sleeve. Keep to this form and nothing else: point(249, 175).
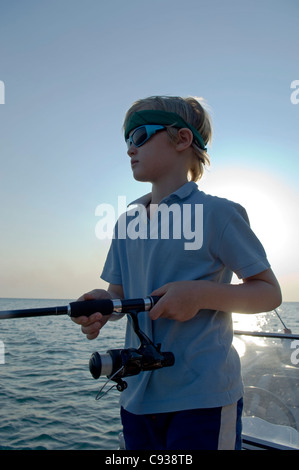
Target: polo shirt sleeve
point(112, 269)
point(240, 250)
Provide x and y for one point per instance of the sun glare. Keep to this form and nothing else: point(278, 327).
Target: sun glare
point(272, 207)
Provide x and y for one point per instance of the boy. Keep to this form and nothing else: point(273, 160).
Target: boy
point(197, 403)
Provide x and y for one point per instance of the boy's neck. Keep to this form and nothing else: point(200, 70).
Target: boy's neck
point(162, 189)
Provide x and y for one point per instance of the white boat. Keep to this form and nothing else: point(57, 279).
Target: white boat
point(270, 369)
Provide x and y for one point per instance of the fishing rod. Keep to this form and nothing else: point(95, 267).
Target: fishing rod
point(116, 364)
point(86, 308)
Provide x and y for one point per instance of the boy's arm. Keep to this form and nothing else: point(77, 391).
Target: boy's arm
point(116, 291)
point(182, 300)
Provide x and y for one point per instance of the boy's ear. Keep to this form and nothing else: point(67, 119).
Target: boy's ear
point(184, 139)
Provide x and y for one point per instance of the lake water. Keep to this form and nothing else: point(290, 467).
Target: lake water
point(47, 395)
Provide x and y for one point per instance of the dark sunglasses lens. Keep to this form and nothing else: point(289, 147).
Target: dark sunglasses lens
point(139, 136)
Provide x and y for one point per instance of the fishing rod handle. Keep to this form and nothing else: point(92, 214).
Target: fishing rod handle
point(109, 306)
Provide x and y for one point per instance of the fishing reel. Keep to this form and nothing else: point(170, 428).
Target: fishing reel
point(119, 363)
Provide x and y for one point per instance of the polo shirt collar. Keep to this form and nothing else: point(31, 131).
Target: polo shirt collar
point(183, 192)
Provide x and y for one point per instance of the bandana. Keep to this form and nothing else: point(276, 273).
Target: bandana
point(164, 118)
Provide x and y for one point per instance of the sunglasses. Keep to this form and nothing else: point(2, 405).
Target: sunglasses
point(141, 134)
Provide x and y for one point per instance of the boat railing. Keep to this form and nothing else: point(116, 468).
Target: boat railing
point(267, 334)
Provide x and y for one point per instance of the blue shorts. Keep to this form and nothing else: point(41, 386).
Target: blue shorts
point(200, 429)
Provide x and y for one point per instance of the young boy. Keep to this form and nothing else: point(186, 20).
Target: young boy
point(196, 403)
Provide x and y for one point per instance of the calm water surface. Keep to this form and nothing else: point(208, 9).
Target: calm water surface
point(47, 395)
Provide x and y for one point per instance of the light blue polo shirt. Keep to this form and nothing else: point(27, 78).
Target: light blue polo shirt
point(206, 372)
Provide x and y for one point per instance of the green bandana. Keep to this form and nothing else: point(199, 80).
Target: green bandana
point(164, 118)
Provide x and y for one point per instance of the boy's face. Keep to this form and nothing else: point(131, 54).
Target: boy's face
point(155, 159)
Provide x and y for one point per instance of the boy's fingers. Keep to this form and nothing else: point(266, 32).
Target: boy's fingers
point(157, 311)
point(85, 321)
point(90, 329)
point(160, 291)
point(87, 296)
point(154, 315)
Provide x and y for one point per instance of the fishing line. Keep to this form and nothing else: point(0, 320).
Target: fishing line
point(100, 393)
point(280, 319)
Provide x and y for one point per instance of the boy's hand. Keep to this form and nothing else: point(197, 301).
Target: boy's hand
point(92, 325)
point(180, 301)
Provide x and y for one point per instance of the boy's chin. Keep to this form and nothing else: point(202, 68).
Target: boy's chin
point(141, 178)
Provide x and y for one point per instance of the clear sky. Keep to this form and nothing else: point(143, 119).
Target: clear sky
point(71, 69)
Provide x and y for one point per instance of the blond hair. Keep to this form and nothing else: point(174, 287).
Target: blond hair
point(192, 111)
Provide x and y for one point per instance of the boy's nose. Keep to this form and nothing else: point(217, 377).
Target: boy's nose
point(132, 150)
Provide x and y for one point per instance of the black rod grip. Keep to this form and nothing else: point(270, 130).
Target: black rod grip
point(88, 307)
point(107, 306)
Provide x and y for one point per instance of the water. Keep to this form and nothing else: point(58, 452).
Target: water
point(47, 395)
point(288, 311)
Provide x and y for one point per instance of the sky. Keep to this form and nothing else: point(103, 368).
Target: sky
point(70, 69)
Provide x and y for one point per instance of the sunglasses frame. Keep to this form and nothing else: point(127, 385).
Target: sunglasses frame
point(151, 129)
